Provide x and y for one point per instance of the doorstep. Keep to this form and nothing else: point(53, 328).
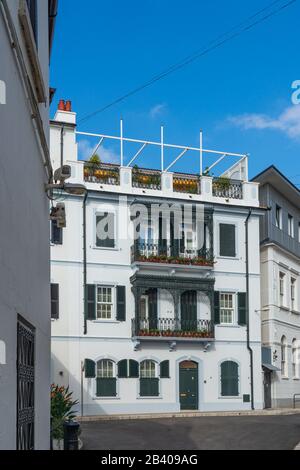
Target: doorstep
point(188, 414)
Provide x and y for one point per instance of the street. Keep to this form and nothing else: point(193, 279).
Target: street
point(200, 433)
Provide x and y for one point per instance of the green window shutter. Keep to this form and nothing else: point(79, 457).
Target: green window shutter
point(109, 229)
point(229, 379)
point(149, 387)
point(121, 303)
point(106, 387)
point(123, 369)
point(242, 309)
point(227, 240)
point(217, 308)
point(165, 370)
point(89, 369)
point(133, 369)
point(90, 302)
point(55, 301)
point(152, 299)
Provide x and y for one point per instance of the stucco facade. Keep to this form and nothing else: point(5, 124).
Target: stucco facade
point(280, 290)
point(78, 260)
point(24, 209)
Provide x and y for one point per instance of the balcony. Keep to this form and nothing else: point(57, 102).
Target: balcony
point(227, 188)
point(146, 179)
point(173, 329)
point(187, 184)
point(102, 173)
point(170, 254)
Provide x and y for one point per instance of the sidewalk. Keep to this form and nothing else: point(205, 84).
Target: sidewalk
point(190, 414)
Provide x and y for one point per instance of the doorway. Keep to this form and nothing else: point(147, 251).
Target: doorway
point(188, 385)
point(267, 388)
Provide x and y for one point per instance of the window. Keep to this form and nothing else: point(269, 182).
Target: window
point(104, 303)
point(284, 364)
point(227, 240)
point(106, 230)
point(55, 301)
point(32, 8)
point(282, 289)
point(295, 359)
point(106, 379)
point(144, 310)
point(226, 309)
point(229, 379)
point(278, 217)
point(291, 231)
point(56, 233)
point(293, 294)
point(149, 382)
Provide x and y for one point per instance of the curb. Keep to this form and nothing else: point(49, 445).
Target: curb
point(281, 412)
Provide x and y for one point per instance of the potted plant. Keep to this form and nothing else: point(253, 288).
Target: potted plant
point(61, 411)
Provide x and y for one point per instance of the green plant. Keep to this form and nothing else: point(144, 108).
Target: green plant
point(221, 183)
point(95, 160)
point(61, 409)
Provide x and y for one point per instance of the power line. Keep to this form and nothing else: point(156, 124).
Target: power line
point(198, 54)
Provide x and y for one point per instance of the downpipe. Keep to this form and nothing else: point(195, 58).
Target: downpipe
point(84, 264)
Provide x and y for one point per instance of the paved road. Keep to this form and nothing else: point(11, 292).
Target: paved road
point(247, 433)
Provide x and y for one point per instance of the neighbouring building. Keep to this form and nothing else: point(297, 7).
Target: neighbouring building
point(26, 32)
point(157, 324)
point(280, 288)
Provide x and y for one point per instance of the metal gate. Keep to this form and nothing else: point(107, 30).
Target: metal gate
point(25, 386)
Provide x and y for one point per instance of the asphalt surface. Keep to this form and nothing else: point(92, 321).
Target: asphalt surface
point(200, 433)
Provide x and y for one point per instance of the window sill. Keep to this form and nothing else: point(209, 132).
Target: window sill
point(295, 312)
point(283, 307)
point(108, 322)
point(228, 257)
point(149, 398)
point(238, 397)
point(297, 379)
point(285, 378)
point(104, 248)
point(106, 398)
point(221, 325)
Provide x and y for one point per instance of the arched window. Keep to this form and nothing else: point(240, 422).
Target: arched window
point(284, 364)
point(229, 379)
point(106, 378)
point(295, 359)
point(149, 381)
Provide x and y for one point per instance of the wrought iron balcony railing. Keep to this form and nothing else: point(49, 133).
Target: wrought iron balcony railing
point(172, 254)
point(230, 189)
point(172, 328)
point(102, 174)
point(146, 179)
point(189, 184)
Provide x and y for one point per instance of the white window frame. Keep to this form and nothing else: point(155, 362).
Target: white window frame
point(148, 371)
point(114, 371)
point(282, 289)
point(112, 303)
point(278, 217)
point(98, 213)
point(284, 358)
point(294, 305)
point(291, 225)
point(233, 309)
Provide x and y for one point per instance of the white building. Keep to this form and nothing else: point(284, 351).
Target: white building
point(280, 288)
point(154, 325)
point(26, 31)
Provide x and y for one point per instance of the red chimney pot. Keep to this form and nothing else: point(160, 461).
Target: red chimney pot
point(61, 105)
point(68, 106)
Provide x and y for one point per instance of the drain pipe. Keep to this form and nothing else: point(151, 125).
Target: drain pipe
point(84, 264)
point(248, 309)
point(62, 131)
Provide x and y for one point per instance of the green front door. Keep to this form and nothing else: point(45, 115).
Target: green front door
point(188, 385)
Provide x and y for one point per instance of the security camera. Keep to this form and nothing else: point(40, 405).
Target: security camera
point(63, 173)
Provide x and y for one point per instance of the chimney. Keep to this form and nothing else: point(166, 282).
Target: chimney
point(68, 106)
point(61, 105)
point(64, 112)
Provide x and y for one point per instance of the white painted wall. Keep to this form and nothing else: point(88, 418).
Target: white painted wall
point(24, 234)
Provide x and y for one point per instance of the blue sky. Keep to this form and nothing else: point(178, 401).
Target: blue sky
point(239, 94)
